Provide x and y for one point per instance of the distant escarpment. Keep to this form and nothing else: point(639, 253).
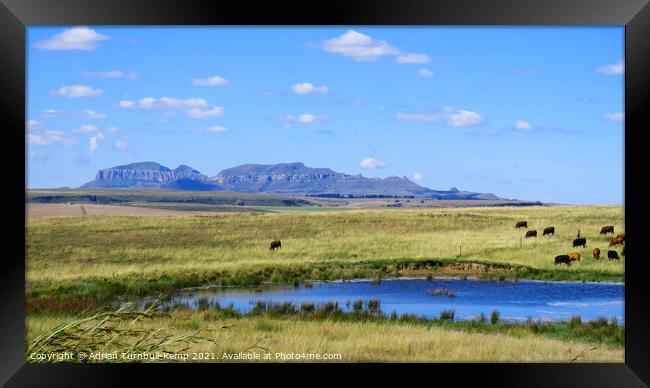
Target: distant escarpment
point(282, 178)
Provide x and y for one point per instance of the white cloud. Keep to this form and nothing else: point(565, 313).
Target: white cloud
point(194, 107)
point(425, 73)
point(91, 114)
point(163, 102)
point(121, 145)
point(372, 163)
point(417, 177)
point(51, 113)
point(617, 68)
point(358, 46)
point(454, 118)
point(304, 118)
point(31, 124)
point(111, 74)
point(112, 129)
point(208, 112)
point(465, 118)
point(306, 87)
point(210, 81)
point(87, 128)
point(420, 116)
point(50, 137)
point(189, 102)
point(523, 125)
point(76, 38)
point(94, 143)
point(78, 91)
point(36, 139)
point(215, 129)
point(125, 104)
point(411, 58)
point(619, 116)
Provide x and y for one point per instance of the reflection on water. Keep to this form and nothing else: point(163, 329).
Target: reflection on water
point(515, 301)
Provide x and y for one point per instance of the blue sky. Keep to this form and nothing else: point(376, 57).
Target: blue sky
point(521, 112)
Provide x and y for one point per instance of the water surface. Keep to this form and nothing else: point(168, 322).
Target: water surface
point(515, 301)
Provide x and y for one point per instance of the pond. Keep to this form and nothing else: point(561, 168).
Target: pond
point(515, 300)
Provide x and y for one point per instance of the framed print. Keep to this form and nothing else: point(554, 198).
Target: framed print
point(434, 187)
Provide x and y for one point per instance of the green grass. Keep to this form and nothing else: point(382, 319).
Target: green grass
point(358, 336)
point(125, 196)
point(101, 257)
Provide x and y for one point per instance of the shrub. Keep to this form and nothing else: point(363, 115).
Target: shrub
point(447, 315)
point(576, 322)
point(494, 317)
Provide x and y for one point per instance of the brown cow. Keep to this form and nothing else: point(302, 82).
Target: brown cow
point(596, 253)
point(549, 230)
point(521, 224)
point(618, 240)
point(607, 229)
point(531, 233)
point(275, 245)
point(574, 256)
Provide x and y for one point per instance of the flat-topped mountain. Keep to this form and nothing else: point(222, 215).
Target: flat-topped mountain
point(283, 178)
point(147, 175)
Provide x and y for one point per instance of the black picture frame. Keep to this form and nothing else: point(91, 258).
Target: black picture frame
point(16, 15)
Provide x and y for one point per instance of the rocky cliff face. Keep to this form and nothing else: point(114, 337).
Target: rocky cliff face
point(145, 174)
point(282, 178)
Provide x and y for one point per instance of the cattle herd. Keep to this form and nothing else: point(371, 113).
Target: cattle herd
point(567, 259)
point(570, 257)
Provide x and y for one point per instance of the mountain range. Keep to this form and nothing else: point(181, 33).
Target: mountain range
point(283, 178)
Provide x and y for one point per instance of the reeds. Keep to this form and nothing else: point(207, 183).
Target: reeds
point(118, 332)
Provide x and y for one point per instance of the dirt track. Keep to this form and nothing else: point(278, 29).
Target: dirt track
point(35, 211)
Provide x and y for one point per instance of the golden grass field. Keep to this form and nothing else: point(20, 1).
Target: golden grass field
point(73, 249)
point(85, 261)
point(355, 341)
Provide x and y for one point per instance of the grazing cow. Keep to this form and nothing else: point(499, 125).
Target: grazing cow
point(275, 245)
point(549, 230)
point(613, 255)
point(607, 229)
point(531, 233)
point(574, 256)
point(618, 240)
point(521, 224)
point(562, 259)
point(596, 253)
point(580, 241)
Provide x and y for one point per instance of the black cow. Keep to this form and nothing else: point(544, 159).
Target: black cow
point(562, 259)
point(275, 245)
point(613, 255)
point(580, 241)
point(549, 230)
point(531, 233)
point(521, 224)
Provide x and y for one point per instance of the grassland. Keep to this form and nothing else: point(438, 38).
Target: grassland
point(354, 339)
point(81, 262)
point(100, 257)
point(129, 196)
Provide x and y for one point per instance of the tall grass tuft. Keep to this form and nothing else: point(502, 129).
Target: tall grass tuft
point(114, 332)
